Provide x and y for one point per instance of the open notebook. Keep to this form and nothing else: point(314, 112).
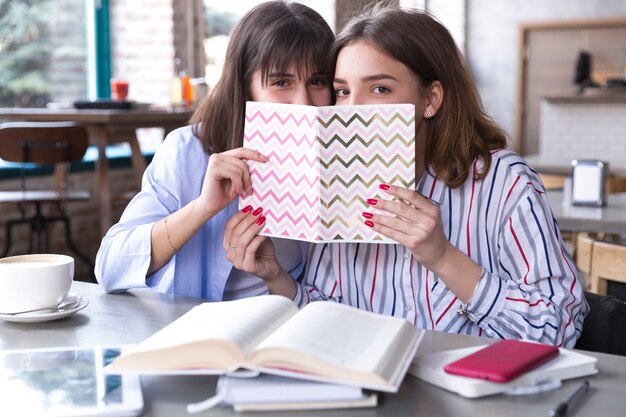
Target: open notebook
point(324, 163)
point(568, 364)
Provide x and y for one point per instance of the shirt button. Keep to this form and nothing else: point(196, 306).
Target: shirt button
point(409, 307)
point(407, 255)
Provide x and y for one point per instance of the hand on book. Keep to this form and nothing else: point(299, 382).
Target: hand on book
point(412, 220)
point(226, 177)
point(415, 221)
point(249, 252)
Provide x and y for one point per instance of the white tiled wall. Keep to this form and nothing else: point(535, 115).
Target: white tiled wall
point(583, 131)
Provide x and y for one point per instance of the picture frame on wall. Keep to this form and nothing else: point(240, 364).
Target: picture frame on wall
point(588, 182)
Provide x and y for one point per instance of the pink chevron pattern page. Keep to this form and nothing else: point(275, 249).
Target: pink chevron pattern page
point(325, 162)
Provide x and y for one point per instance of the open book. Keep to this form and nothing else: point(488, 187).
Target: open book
point(568, 364)
point(324, 163)
point(325, 341)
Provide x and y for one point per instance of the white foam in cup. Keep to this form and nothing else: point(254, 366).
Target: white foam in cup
point(29, 282)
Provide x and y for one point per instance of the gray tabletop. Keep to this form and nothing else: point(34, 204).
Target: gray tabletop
point(131, 317)
point(608, 219)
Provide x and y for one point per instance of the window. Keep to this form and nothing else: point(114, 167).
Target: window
point(45, 51)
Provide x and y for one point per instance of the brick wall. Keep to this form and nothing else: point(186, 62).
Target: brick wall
point(83, 215)
point(146, 37)
point(142, 47)
point(583, 130)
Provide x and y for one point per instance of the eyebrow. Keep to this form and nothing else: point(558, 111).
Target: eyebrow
point(281, 74)
point(374, 77)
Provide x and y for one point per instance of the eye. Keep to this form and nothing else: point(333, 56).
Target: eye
point(318, 82)
point(280, 82)
point(379, 89)
point(342, 92)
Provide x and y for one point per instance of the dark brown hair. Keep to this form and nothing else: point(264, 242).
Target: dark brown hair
point(271, 37)
point(460, 131)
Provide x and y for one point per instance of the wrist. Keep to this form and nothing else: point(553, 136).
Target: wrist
point(200, 210)
point(281, 283)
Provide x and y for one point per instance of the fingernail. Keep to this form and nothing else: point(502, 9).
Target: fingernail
point(383, 186)
point(247, 209)
point(372, 201)
point(367, 215)
point(261, 220)
point(369, 223)
point(263, 157)
point(257, 211)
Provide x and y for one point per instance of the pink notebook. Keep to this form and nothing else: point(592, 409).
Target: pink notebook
point(324, 163)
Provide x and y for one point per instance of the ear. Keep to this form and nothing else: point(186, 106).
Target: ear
point(434, 99)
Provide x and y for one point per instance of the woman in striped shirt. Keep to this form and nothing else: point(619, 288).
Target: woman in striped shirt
point(479, 250)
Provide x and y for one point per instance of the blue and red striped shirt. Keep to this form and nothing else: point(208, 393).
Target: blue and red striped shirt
point(530, 289)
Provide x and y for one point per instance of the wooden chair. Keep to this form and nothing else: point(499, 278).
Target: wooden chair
point(553, 181)
point(608, 263)
point(56, 144)
point(584, 250)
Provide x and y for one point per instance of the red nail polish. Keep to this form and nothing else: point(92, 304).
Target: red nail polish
point(261, 220)
point(383, 186)
point(367, 215)
point(257, 211)
point(247, 209)
point(372, 201)
point(369, 223)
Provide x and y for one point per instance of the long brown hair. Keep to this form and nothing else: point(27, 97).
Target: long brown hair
point(271, 37)
point(460, 131)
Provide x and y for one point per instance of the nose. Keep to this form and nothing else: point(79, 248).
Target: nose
point(355, 99)
point(302, 95)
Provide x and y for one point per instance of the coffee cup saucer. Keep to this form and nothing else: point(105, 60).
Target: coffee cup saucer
point(41, 316)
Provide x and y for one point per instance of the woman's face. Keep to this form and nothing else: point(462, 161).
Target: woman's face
point(365, 75)
point(289, 88)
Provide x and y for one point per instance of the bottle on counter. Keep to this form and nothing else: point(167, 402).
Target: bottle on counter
point(176, 89)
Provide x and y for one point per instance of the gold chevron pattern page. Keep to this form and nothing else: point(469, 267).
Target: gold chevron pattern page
point(324, 163)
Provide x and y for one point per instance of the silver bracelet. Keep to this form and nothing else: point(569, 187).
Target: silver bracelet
point(463, 309)
point(167, 235)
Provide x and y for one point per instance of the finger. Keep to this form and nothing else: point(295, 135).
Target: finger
point(239, 176)
point(238, 237)
point(232, 223)
point(251, 250)
point(386, 231)
point(246, 153)
point(408, 195)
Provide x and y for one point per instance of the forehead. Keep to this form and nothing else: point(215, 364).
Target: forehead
point(370, 59)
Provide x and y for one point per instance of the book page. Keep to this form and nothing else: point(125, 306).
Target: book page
point(330, 338)
point(224, 326)
point(287, 186)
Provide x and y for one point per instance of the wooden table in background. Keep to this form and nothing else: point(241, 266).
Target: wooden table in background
point(608, 219)
point(106, 127)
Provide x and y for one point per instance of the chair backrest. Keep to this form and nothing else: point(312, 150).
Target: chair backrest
point(604, 329)
point(608, 263)
point(43, 142)
point(584, 249)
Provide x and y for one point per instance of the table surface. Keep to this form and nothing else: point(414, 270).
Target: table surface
point(131, 317)
point(556, 165)
point(139, 116)
point(608, 219)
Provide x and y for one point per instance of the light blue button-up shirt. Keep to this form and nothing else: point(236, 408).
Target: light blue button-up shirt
point(200, 268)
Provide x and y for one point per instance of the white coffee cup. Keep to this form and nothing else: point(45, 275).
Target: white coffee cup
point(29, 282)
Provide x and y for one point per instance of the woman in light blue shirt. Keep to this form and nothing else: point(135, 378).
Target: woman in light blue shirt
point(171, 235)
